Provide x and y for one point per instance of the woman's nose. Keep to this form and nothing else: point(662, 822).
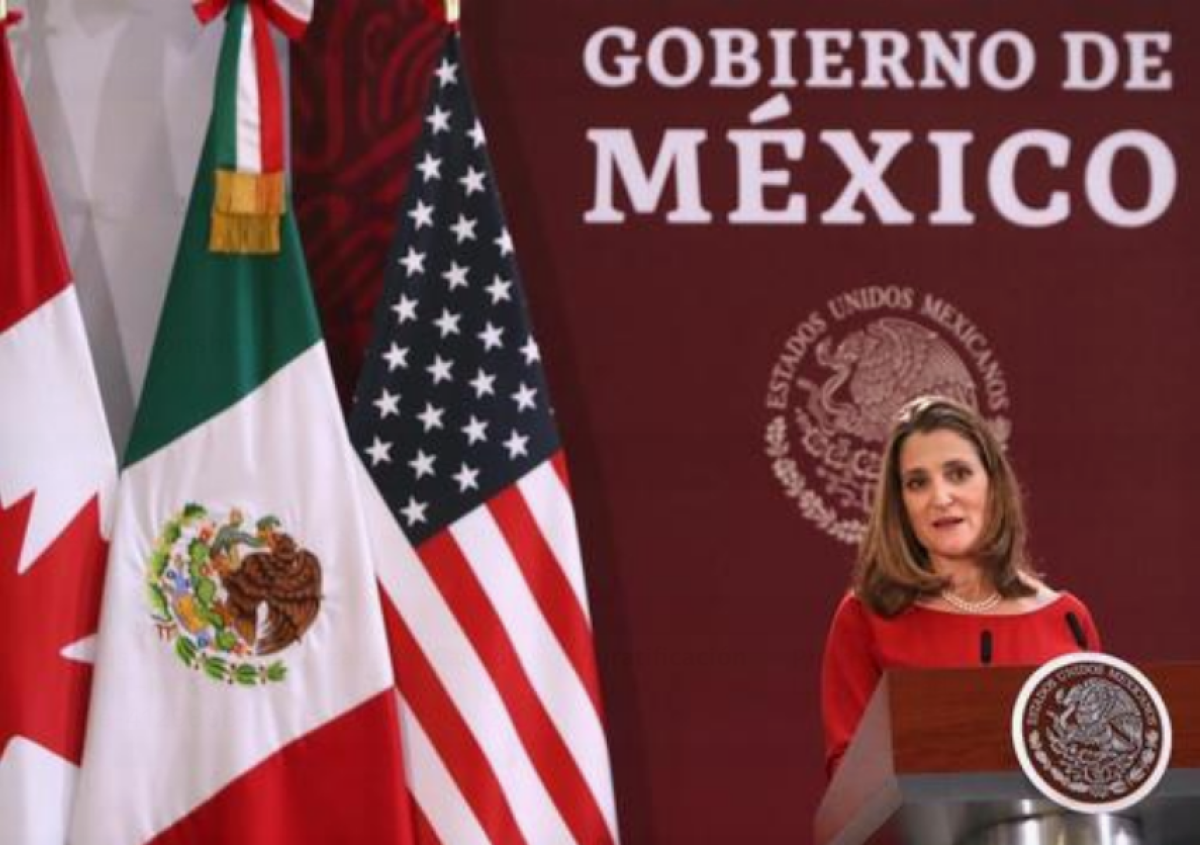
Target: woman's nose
point(942, 495)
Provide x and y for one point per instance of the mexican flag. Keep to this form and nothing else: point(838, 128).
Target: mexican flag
point(243, 688)
point(57, 476)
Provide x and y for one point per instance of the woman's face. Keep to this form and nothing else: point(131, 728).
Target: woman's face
point(945, 491)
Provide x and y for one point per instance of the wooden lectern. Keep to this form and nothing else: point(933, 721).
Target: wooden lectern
point(932, 764)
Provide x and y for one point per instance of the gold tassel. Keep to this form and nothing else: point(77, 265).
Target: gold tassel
point(249, 193)
point(246, 213)
point(243, 234)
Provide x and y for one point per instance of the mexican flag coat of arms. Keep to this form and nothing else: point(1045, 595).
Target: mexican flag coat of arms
point(243, 688)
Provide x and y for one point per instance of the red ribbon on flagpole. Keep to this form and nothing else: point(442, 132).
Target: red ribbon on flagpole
point(291, 18)
point(250, 193)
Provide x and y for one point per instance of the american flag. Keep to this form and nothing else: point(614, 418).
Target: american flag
point(488, 616)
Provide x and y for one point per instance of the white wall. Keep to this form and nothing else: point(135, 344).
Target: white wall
point(119, 93)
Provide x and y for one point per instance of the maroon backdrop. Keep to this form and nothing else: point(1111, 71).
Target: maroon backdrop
point(720, 385)
point(359, 81)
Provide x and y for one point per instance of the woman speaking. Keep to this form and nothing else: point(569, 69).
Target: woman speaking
point(942, 578)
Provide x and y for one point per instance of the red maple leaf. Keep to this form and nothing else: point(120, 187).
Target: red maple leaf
point(54, 603)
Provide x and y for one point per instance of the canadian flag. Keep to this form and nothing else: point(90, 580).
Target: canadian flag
point(57, 476)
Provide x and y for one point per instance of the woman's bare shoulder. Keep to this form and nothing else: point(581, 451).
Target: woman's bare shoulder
point(1044, 594)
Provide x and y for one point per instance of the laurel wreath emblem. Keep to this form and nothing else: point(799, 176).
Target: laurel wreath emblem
point(1081, 758)
point(841, 376)
point(189, 599)
point(787, 471)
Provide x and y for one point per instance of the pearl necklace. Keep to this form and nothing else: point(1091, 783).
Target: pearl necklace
point(961, 604)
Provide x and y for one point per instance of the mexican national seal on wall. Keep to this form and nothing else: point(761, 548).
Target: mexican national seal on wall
point(844, 372)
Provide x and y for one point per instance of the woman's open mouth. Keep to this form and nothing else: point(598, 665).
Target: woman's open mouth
point(943, 522)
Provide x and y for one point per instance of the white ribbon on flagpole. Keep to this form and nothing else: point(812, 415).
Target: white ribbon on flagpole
point(291, 16)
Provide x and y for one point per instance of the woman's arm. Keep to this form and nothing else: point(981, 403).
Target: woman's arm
point(1089, 627)
point(849, 673)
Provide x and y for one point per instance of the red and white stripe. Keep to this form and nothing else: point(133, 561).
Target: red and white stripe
point(491, 642)
point(259, 122)
point(56, 461)
point(291, 16)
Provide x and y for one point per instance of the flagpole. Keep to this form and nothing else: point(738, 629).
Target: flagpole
point(451, 10)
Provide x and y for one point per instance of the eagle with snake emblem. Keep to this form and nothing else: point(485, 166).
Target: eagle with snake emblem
point(224, 594)
point(286, 579)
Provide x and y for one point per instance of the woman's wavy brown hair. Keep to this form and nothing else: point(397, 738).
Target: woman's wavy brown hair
point(893, 569)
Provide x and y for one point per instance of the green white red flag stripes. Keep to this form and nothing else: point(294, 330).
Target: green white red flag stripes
point(247, 126)
point(291, 16)
point(57, 474)
point(243, 688)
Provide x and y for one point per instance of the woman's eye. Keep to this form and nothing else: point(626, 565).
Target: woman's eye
point(914, 483)
point(959, 473)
